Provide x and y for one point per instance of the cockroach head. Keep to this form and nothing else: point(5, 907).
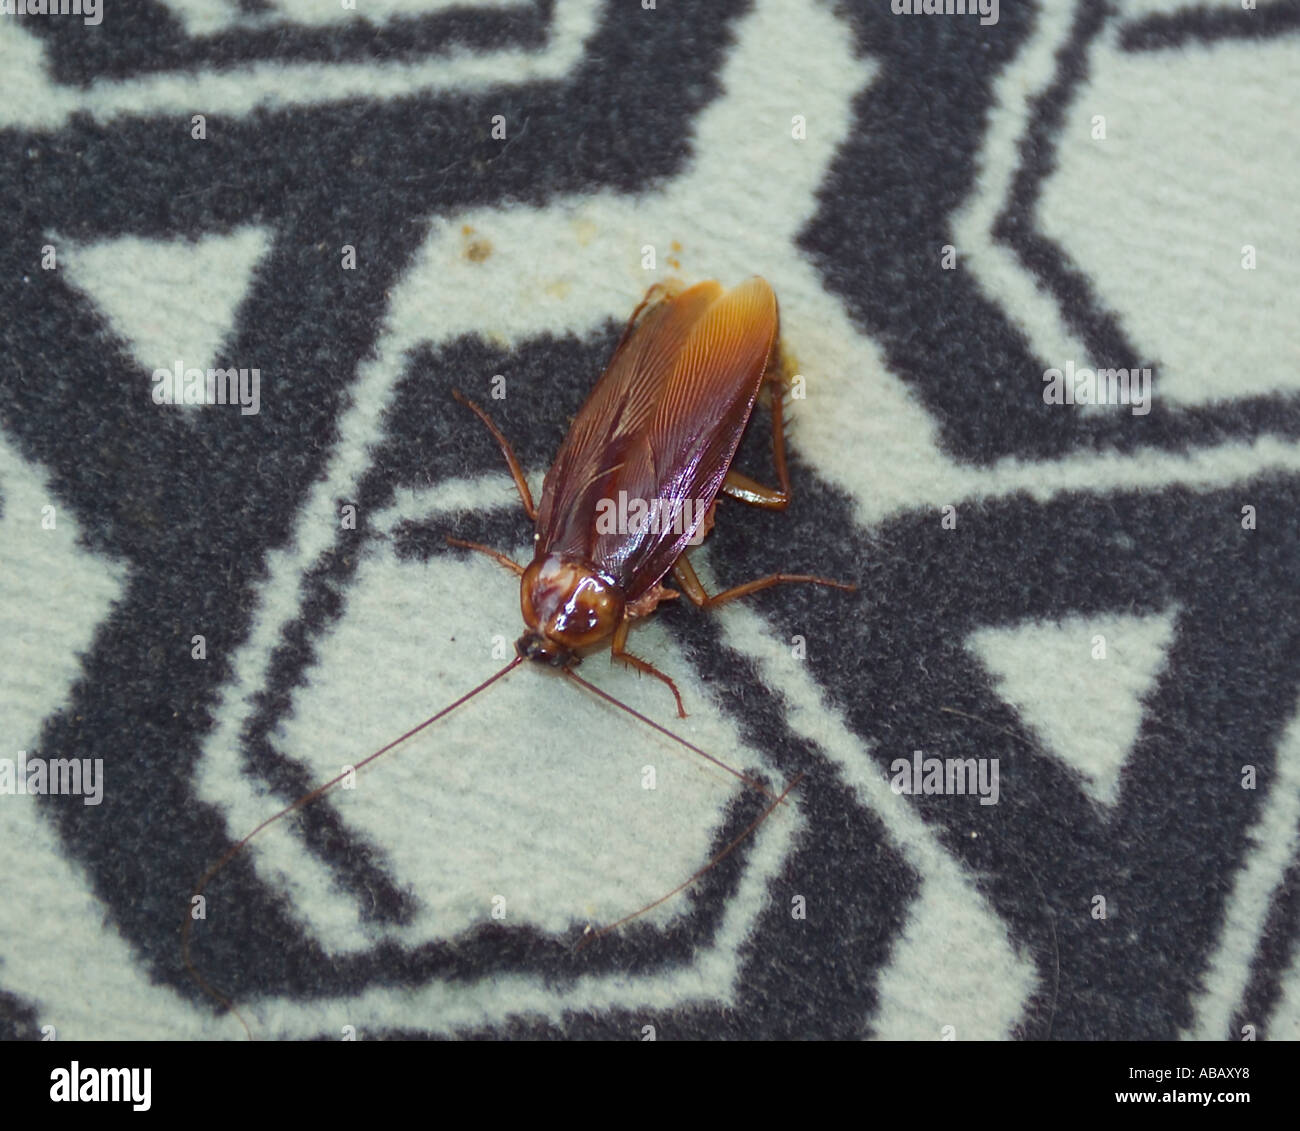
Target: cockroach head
point(535, 646)
point(567, 605)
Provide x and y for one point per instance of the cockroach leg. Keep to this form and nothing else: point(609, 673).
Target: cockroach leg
point(685, 575)
point(513, 566)
point(646, 604)
point(659, 292)
point(750, 491)
point(517, 472)
point(616, 651)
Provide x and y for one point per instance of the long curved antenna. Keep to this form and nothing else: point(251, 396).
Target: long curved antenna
point(592, 936)
point(305, 799)
point(605, 695)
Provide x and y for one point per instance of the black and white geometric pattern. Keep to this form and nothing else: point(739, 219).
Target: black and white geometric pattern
point(945, 210)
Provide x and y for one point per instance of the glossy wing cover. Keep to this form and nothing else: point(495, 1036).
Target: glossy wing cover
point(663, 423)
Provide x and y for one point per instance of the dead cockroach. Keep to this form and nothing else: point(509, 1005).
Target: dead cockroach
point(634, 483)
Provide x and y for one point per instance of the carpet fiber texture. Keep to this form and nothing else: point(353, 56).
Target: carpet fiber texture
point(1050, 748)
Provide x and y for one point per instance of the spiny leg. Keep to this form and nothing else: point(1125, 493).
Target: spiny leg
point(750, 491)
point(617, 651)
point(694, 589)
point(513, 566)
point(521, 484)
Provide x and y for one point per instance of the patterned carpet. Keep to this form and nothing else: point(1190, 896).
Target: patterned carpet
point(1090, 607)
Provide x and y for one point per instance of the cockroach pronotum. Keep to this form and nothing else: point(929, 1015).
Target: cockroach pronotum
point(660, 428)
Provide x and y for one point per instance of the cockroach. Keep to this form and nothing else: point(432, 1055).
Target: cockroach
point(660, 428)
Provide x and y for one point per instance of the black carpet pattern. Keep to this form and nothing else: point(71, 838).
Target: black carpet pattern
point(224, 608)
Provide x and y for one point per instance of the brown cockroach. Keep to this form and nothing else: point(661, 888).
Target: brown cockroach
point(660, 428)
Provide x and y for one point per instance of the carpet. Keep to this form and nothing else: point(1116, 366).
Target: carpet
point(1037, 271)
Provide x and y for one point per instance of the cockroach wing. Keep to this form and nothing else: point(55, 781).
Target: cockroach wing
point(659, 430)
